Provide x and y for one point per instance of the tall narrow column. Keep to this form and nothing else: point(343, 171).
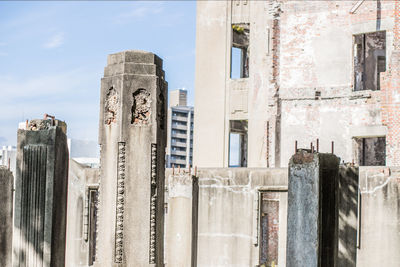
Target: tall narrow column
point(132, 136)
point(6, 206)
point(312, 223)
point(41, 195)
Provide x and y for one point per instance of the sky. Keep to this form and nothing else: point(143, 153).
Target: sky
point(53, 54)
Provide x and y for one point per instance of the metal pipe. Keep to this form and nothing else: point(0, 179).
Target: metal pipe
point(317, 145)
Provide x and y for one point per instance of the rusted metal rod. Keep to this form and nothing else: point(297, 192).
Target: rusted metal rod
point(333, 147)
point(312, 147)
point(317, 145)
point(295, 146)
point(173, 169)
point(46, 116)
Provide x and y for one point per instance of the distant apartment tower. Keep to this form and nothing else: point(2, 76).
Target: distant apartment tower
point(180, 130)
point(8, 157)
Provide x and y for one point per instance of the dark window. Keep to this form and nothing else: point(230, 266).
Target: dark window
point(369, 60)
point(370, 151)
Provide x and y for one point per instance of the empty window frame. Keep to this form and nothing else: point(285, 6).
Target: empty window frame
point(370, 151)
point(369, 60)
point(240, 51)
point(238, 143)
point(269, 228)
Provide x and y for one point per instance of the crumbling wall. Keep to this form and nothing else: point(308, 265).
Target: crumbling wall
point(316, 74)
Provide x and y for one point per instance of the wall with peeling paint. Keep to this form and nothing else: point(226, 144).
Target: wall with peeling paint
point(300, 84)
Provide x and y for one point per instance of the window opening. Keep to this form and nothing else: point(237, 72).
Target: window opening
point(238, 143)
point(369, 60)
point(240, 51)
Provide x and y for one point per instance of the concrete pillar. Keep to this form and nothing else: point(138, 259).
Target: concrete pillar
point(41, 195)
point(348, 215)
point(312, 227)
point(179, 220)
point(6, 213)
point(132, 136)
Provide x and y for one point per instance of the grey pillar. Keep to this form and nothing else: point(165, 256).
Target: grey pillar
point(41, 195)
point(132, 136)
point(6, 212)
point(348, 215)
point(312, 223)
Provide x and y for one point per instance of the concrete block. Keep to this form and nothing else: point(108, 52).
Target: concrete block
point(312, 220)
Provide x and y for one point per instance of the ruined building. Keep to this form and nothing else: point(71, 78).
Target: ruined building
point(273, 72)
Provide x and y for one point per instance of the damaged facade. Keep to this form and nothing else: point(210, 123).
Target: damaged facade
point(297, 70)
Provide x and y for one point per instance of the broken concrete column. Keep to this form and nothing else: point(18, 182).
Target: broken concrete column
point(41, 195)
point(179, 220)
point(132, 136)
point(312, 228)
point(6, 213)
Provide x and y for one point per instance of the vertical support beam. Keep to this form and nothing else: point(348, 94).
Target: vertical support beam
point(132, 136)
point(41, 195)
point(6, 213)
point(312, 228)
point(348, 215)
point(180, 214)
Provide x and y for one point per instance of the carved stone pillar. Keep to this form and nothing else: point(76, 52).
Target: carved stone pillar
point(41, 195)
point(132, 136)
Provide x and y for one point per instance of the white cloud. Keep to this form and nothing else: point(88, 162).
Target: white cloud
point(55, 41)
point(138, 12)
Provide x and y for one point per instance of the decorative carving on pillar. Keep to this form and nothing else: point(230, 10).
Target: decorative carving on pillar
point(119, 220)
point(140, 107)
point(153, 204)
point(111, 106)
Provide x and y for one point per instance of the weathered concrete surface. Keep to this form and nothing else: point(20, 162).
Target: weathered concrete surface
point(6, 215)
point(132, 136)
point(379, 238)
point(312, 210)
point(80, 177)
point(228, 226)
point(41, 195)
point(179, 220)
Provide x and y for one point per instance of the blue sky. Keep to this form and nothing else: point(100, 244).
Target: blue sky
point(52, 56)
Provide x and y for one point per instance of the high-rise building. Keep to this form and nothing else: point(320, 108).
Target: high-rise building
point(180, 130)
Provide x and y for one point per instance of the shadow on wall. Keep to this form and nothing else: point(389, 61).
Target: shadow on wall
point(348, 211)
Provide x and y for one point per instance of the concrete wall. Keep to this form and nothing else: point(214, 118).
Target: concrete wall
point(228, 215)
point(228, 230)
point(379, 239)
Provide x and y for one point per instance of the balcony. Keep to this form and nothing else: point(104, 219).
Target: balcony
point(179, 135)
point(178, 161)
point(180, 144)
point(179, 127)
point(179, 118)
point(178, 152)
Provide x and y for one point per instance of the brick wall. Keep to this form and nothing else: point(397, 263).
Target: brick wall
point(390, 96)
